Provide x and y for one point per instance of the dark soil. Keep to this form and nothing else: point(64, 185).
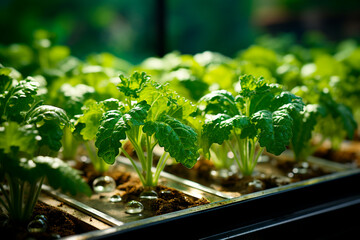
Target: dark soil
point(349, 153)
point(60, 224)
point(274, 173)
point(169, 199)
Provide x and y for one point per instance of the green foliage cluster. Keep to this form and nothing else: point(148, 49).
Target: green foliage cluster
point(269, 97)
point(30, 138)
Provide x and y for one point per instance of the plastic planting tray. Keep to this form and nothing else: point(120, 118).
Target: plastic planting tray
point(282, 208)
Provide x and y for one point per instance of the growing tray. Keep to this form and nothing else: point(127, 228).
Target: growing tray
point(225, 215)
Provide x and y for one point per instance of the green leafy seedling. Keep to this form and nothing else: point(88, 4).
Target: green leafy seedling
point(152, 115)
point(260, 117)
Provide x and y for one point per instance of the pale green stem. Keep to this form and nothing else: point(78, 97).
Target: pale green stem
point(70, 145)
point(261, 150)
point(160, 166)
point(139, 151)
point(36, 195)
point(234, 152)
point(14, 197)
point(134, 165)
point(252, 161)
point(21, 186)
point(242, 153)
point(33, 197)
point(149, 180)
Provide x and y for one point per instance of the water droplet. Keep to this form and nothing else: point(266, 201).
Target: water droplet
point(85, 159)
point(134, 207)
point(104, 184)
point(149, 195)
point(305, 165)
point(55, 236)
point(222, 174)
point(256, 185)
point(41, 217)
point(263, 159)
point(115, 199)
point(302, 171)
point(165, 192)
point(36, 226)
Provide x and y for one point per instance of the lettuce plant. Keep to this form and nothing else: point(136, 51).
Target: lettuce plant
point(87, 124)
point(260, 117)
point(19, 103)
point(324, 118)
point(24, 173)
point(29, 133)
point(150, 115)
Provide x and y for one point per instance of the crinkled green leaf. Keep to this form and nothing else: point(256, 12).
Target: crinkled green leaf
point(304, 124)
point(137, 115)
point(264, 123)
point(349, 123)
point(92, 113)
point(220, 101)
point(111, 131)
point(339, 111)
point(287, 100)
point(110, 104)
point(217, 129)
point(180, 107)
point(256, 92)
point(157, 97)
point(178, 139)
point(133, 85)
point(48, 113)
point(24, 138)
point(213, 131)
point(50, 121)
point(91, 118)
point(274, 129)
point(113, 127)
point(20, 100)
point(51, 135)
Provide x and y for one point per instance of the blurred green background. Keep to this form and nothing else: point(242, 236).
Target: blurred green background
point(137, 29)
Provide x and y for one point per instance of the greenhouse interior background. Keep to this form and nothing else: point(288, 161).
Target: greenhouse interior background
point(205, 107)
point(135, 29)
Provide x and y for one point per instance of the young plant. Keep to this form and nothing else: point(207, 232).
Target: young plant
point(326, 119)
point(260, 117)
point(87, 125)
point(24, 173)
point(18, 103)
point(151, 115)
point(28, 130)
point(71, 99)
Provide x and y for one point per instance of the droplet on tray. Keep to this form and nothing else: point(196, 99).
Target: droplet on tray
point(55, 236)
point(166, 192)
point(36, 226)
point(115, 198)
point(149, 195)
point(41, 217)
point(256, 185)
point(104, 184)
point(134, 207)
